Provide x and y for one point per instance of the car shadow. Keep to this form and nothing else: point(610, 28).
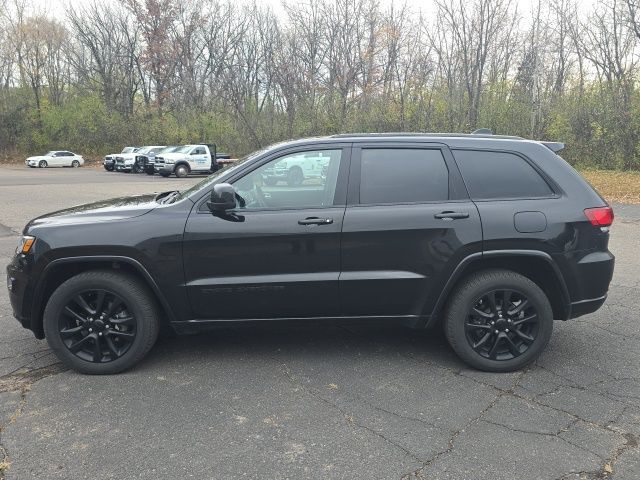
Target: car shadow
point(333, 342)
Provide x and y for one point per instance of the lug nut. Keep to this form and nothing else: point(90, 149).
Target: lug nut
point(492, 322)
point(509, 320)
point(507, 330)
point(90, 330)
point(497, 331)
point(99, 334)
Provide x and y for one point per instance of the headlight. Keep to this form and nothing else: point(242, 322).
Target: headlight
point(169, 160)
point(26, 242)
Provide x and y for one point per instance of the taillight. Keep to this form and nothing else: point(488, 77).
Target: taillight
point(599, 216)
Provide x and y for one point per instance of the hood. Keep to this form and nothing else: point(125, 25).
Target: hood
point(106, 210)
point(37, 157)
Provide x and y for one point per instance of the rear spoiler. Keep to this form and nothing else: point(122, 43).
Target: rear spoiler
point(555, 147)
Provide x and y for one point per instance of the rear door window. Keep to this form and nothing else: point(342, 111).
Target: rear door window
point(500, 175)
point(403, 175)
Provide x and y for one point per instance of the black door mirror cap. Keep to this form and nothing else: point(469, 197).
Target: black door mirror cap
point(223, 197)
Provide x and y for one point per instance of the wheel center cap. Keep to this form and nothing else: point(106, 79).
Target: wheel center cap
point(502, 324)
point(99, 324)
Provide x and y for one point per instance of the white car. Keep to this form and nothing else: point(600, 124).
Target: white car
point(55, 158)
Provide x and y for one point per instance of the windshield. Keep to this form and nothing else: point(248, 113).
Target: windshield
point(169, 149)
point(128, 150)
point(223, 171)
point(144, 150)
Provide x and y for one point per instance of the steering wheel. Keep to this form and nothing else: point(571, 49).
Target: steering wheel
point(258, 195)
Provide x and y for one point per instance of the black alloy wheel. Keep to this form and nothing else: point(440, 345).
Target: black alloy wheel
point(502, 325)
point(498, 320)
point(101, 321)
point(97, 326)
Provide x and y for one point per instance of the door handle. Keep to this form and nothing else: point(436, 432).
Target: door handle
point(315, 221)
point(451, 215)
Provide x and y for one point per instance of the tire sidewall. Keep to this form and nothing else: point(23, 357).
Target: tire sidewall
point(56, 304)
point(469, 294)
point(75, 164)
point(42, 164)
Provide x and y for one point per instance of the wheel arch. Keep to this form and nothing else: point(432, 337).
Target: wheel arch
point(182, 163)
point(536, 265)
point(61, 269)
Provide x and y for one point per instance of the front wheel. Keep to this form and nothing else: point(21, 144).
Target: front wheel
point(42, 164)
point(101, 322)
point(181, 171)
point(165, 174)
point(498, 321)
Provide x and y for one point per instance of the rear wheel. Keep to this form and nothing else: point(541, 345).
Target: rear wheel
point(498, 321)
point(181, 171)
point(42, 164)
point(101, 322)
point(75, 164)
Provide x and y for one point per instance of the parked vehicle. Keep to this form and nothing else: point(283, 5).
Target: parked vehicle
point(125, 162)
point(109, 161)
point(490, 237)
point(295, 170)
point(55, 158)
point(188, 159)
point(146, 163)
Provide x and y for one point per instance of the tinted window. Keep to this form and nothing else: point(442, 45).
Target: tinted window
point(391, 175)
point(298, 180)
point(500, 175)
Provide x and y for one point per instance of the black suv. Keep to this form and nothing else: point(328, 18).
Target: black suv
point(492, 237)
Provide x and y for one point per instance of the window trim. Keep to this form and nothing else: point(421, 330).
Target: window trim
point(339, 196)
point(457, 189)
point(556, 191)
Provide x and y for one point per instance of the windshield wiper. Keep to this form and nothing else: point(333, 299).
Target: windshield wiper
point(171, 197)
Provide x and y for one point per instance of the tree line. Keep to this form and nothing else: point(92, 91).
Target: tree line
point(134, 72)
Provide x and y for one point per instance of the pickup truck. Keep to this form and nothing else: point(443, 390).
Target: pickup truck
point(296, 169)
point(109, 161)
point(188, 159)
point(126, 162)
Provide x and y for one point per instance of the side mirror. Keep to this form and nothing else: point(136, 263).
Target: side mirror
point(223, 197)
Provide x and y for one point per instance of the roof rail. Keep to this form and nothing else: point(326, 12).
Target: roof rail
point(482, 131)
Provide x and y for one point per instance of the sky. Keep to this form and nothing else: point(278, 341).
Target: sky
point(56, 7)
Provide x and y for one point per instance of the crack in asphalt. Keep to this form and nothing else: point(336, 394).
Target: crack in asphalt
point(21, 380)
point(451, 442)
point(348, 417)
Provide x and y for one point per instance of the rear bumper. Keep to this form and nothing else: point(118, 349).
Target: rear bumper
point(584, 307)
point(592, 275)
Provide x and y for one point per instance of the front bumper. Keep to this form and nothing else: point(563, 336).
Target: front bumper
point(20, 287)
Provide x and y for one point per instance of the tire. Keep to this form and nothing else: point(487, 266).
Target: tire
point(470, 313)
point(75, 164)
point(42, 164)
point(295, 177)
point(135, 168)
point(108, 169)
point(149, 172)
point(165, 174)
point(139, 317)
point(181, 171)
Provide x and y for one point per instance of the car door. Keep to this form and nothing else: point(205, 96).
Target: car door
point(408, 223)
point(56, 160)
point(198, 159)
point(277, 255)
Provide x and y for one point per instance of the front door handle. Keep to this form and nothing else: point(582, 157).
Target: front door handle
point(315, 221)
point(451, 215)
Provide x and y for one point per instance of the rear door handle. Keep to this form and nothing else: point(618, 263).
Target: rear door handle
point(315, 221)
point(451, 215)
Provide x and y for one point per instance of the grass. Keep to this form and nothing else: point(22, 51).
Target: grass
point(615, 186)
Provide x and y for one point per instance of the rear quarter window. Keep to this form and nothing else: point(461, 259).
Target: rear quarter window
point(497, 175)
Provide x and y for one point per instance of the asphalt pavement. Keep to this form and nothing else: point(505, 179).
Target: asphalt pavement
point(317, 401)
